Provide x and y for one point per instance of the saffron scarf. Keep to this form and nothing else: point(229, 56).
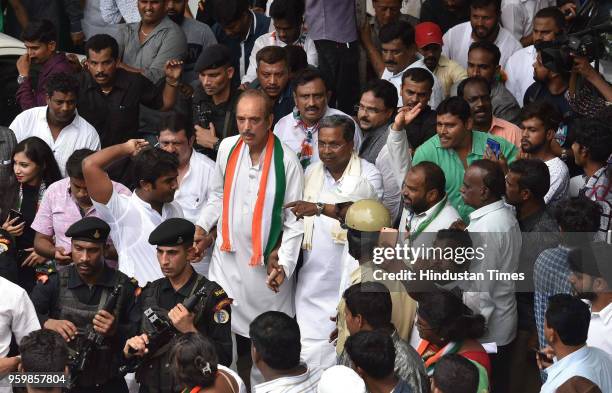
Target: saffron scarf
point(431, 354)
point(267, 216)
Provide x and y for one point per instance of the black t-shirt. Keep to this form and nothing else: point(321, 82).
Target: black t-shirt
point(435, 11)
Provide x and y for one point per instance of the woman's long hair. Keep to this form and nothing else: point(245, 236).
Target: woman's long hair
point(40, 153)
point(193, 361)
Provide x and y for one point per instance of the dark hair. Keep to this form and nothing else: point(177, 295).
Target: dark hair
point(43, 351)
point(454, 373)
point(553, 13)
point(450, 317)
point(40, 153)
point(578, 214)
point(494, 178)
point(399, 29)
point(335, 121)
point(74, 163)
point(454, 238)
point(545, 112)
point(296, 58)
point(472, 81)
point(62, 82)
point(306, 76)
point(289, 10)
point(271, 55)
point(384, 90)
point(176, 122)
point(99, 42)
point(256, 93)
point(455, 106)
point(418, 75)
point(486, 3)
point(373, 352)
point(41, 30)
point(569, 317)
point(434, 176)
point(229, 11)
point(276, 337)
point(533, 176)
point(193, 360)
point(596, 137)
point(151, 164)
point(372, 301)
point(488, 47)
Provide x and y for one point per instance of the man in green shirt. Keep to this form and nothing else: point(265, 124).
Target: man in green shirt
point(456, 146)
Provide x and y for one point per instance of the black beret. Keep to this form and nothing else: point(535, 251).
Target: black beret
point(594, 259)
point(173, 232)
point(214, 56)
point(89, 229)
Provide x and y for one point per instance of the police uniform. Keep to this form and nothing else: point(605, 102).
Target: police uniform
point(212, 313)
point(65, 296)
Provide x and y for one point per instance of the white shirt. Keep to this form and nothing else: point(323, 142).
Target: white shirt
point(392, 192)
point(517, 15)
point(291, 134)
point(132, 220)
point(241, 386)
point(600, 329)
point(192, 196)
point(243, 283)
point(437, 93)
point(443, 220)
point(303, 383)
point(77, 135)
point(495, 228)
point(559, 180)
point(270, 39)
point(457, 41)
point(590, 363)
point(17, 316)
point(316, 291)
point(519, 69)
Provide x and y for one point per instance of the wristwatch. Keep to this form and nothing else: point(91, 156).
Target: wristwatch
point(320, 207)
point(21, 79)
point(564, 154)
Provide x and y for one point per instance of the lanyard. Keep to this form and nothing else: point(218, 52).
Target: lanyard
point(428, 221)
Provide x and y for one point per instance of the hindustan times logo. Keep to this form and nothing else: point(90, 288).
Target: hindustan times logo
point(410, 254)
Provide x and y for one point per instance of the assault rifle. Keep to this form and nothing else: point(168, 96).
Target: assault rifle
point(163, 332)
point(91, 342)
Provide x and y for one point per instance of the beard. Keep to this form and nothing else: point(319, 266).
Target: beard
point(177, 18)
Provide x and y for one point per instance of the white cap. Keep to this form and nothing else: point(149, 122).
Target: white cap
point(350, 189)
point(340, 379)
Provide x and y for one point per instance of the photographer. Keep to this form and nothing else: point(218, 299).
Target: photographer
point(589, 93)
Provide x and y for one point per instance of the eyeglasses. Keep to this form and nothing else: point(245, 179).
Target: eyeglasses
point(368, 110)
point(331, 146)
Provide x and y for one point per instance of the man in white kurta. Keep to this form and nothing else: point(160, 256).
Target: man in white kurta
point(244, 283)
point(340, 177)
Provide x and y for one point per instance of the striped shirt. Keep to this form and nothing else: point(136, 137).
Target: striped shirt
point(598, 188)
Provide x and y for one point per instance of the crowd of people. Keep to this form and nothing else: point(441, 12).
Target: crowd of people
point(198, 199)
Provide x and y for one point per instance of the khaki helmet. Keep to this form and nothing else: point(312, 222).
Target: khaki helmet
point(367, 215)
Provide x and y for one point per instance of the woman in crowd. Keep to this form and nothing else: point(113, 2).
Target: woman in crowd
point(446, 326)
point(35, 169)
point(195, 367)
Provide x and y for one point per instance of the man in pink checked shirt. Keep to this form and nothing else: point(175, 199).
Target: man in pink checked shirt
point(65, 202)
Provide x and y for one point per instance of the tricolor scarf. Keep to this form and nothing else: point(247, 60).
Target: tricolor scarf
point(267, 215)
point(431, 354)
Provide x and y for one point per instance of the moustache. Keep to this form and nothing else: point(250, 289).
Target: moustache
point(248, 133)
point(390, 63)
point(312, 108)
point(101, 75)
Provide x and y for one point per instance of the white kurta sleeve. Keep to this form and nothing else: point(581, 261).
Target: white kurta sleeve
point(214, 205)
point(293, 229)
point(251, 73)
point(24, 320)
point(399, 153)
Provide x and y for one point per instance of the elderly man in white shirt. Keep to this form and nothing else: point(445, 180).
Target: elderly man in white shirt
point(517, 17)
point(195, 172)
point(17, 317)
point(58, 123)
point(566, 328)
point(484, 25)
point(287, 19)
point(133, 218)
point(547, 24)
point(299, 130)
point(340, 177)
point(400, 53)
point(493, 226)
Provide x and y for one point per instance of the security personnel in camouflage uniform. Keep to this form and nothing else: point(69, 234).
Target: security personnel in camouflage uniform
point(71, 303)
point(211, 316)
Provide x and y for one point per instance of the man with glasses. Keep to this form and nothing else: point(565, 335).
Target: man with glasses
point(340, 177)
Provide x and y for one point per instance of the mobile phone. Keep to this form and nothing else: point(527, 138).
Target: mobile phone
point(16, 214)
point(494, 146)
point(388, 237)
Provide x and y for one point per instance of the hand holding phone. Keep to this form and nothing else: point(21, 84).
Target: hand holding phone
point(495, 146)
